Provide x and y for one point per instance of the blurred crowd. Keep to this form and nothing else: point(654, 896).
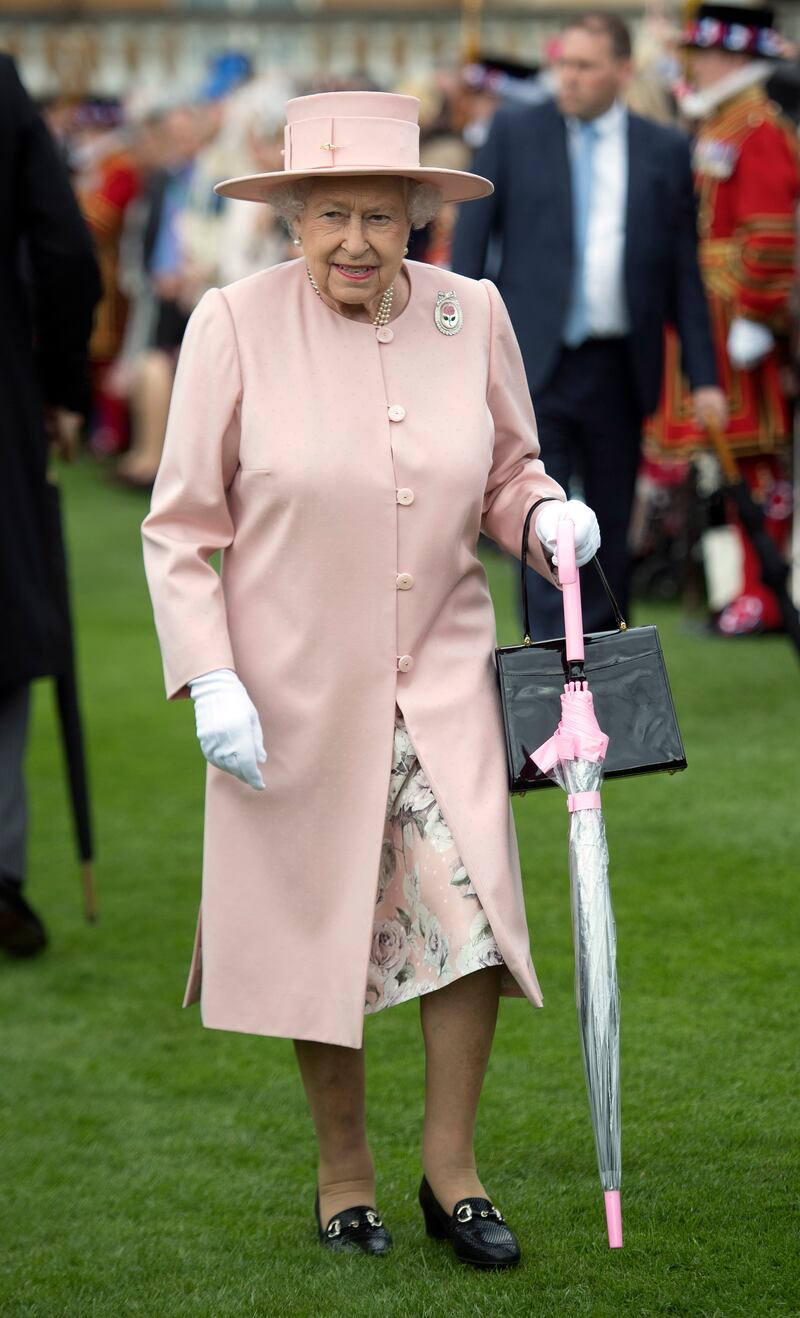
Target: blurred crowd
point(143, 169)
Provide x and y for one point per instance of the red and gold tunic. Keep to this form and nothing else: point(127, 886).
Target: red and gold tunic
point(104, 200)
point(748, 182)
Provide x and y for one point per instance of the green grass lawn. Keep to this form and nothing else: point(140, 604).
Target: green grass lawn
point(151, 1168)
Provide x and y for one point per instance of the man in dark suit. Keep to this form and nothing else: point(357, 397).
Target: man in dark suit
point(49, 285)
point(591, 236)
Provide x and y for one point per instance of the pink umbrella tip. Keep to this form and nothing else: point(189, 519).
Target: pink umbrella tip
point(614, 1219)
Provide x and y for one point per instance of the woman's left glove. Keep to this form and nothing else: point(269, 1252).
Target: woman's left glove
point(228, 726)
point(587, 532)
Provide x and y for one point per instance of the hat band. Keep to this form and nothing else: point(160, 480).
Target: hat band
point(740, 38)
point(351, 143)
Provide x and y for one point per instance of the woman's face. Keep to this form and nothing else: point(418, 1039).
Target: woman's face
point(354, 232)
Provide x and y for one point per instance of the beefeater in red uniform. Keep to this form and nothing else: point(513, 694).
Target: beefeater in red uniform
point(748, 183)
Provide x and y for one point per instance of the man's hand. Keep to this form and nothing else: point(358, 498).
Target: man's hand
point(710, 406)
point(748, 343)
point(167, 287)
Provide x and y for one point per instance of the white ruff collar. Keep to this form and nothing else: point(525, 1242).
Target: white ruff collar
point(697, 105)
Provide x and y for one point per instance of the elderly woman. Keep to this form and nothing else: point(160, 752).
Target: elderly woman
point(343, 427)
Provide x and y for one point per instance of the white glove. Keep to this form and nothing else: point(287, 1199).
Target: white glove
point(587, 532)
point(748, 342)
point(228, 727)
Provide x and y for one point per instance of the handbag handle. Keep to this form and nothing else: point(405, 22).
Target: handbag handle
point(523, 563)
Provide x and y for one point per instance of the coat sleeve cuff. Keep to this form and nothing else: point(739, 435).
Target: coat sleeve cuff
point(179, 673)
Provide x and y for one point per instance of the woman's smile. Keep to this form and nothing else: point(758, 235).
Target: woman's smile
point(358, 273)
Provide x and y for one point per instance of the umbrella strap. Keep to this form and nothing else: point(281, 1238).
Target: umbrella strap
point(583, 801)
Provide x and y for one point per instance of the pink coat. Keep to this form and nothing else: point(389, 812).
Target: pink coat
point(346, 478)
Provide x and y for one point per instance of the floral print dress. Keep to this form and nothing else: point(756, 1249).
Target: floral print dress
point(429, 927)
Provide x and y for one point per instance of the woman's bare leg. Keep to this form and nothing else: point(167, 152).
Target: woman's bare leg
point(458, 1024)
point(150, 396)
point(333, 1079)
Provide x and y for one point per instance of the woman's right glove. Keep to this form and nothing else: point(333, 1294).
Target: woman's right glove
point(228, 726)
point(587, 532)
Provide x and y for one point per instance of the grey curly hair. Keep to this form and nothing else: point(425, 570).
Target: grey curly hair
point(423, 201)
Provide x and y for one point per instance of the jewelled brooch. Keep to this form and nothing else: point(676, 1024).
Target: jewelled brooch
point(447, 315)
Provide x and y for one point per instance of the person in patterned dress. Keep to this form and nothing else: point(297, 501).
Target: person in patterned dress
point(747, 179)
point(343, 427)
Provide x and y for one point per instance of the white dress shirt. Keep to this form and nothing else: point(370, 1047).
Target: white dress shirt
point(605, 241)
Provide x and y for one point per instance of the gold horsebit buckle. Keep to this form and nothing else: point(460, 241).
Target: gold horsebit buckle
point(465, 1213)
point(374, 1220)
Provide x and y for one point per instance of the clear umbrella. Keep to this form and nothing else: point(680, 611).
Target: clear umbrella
point(573, 757)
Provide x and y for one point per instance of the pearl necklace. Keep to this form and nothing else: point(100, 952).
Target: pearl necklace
point(384, 310)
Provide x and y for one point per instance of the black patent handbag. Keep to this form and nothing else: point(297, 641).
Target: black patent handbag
point(628, 679)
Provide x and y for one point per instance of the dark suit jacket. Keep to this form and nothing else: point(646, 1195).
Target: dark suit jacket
point(49, 284)
point(530, 213)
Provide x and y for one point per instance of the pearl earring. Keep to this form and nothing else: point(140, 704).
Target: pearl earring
point(296, 242)
point(405, 251)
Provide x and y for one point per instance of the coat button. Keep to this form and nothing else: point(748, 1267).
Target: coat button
point(404, 581)
point(384, 334)
point(405, 663)
point(396, 412)
point(405, 496)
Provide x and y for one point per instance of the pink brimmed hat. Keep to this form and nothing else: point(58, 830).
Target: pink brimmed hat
point(340, 134)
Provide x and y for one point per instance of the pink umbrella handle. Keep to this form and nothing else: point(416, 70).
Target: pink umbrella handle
point(614, 1219)
point(571, 585)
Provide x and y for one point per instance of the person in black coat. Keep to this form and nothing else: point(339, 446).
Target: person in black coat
point(591, 236)
point(49, 286)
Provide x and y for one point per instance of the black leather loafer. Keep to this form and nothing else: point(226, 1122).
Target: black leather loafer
point(477, 1230)
point(355, 1231)
point(21, 931)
